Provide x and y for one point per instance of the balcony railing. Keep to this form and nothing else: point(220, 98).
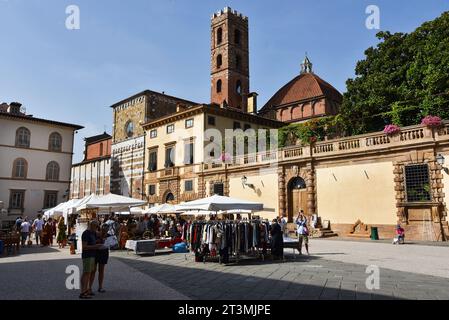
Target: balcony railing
point(361, 143)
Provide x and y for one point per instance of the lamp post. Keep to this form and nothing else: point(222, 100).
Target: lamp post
point(440, 159)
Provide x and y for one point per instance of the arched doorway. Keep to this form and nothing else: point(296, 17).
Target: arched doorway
point(297, 197)
point(169, 198)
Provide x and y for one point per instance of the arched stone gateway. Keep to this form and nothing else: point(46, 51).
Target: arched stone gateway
point(297, 197)
point(168, 197)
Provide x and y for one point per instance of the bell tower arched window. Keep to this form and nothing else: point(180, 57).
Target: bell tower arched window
point(237, 36)
point(219, 61)
point(219, 86)
point(219, 35)
point(238, 87)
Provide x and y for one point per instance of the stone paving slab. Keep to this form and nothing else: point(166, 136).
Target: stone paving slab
point(334, 270)
point(313, 278)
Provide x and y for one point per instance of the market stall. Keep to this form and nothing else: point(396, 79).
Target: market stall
point(224, 239)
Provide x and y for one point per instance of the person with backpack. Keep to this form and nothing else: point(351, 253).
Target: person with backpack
point(303, 231)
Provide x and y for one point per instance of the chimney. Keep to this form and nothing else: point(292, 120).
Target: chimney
point(252, 102)
point(180, 107)
point(14, 108)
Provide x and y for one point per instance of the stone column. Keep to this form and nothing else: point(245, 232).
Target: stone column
point(400, 191)
point(282, 191)
point(310, 184)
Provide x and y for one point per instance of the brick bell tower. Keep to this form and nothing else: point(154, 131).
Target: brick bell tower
point(229, 59)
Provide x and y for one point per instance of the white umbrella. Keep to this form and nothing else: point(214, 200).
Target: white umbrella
point(220, 203)
point(113, 202)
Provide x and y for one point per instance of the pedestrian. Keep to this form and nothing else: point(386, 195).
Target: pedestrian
point(18, 223)
point(54, 227)
point(38, 226)
point(303, 231)
point(101, 258)
point(25, 231)
point(62, 233)
point(277, 240)
point(47, 233)
point(89, 248)
point(283, 224)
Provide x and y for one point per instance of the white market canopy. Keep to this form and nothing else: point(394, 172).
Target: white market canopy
point(220, 203)
point(110, 202)
point(163, 208)
point(133, 211)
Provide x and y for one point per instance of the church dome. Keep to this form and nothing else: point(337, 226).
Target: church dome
point(306, 86)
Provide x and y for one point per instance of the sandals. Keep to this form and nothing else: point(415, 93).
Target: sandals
point(85, 295)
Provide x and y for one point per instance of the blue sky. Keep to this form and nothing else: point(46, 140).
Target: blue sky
point(124, 47)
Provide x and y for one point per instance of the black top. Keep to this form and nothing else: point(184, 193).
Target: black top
point(91, 238)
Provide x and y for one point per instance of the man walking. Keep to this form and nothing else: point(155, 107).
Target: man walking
point(38, 226)
point(25, 231)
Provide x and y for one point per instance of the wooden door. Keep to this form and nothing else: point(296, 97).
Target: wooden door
point(303, 202)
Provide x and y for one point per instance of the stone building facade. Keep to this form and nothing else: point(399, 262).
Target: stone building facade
point(128, 138)
point(92, 175)
point(159, 152)
point(372, 179)
point(35, 157)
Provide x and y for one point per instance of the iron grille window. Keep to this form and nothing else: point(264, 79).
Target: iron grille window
point(219, 189)
point(417, 183)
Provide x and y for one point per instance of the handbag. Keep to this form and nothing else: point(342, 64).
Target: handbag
point(111, 242)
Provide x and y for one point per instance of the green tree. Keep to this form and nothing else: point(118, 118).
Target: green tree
point(404, 78)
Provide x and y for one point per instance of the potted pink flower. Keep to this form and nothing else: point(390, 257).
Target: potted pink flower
point(225, 157)
point(392, 129)
point(432, 121)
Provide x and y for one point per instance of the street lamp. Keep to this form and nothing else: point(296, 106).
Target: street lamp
point(245, 183)
point(440, 159)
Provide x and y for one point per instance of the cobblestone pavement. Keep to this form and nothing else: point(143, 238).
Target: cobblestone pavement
point(334, 270)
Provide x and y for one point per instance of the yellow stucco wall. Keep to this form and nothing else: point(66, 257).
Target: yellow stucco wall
point(364, 191)
point(266, 191)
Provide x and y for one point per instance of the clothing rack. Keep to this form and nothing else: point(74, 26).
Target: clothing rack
point(227, 238)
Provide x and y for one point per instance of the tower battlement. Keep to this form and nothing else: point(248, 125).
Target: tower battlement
point(228, 10)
